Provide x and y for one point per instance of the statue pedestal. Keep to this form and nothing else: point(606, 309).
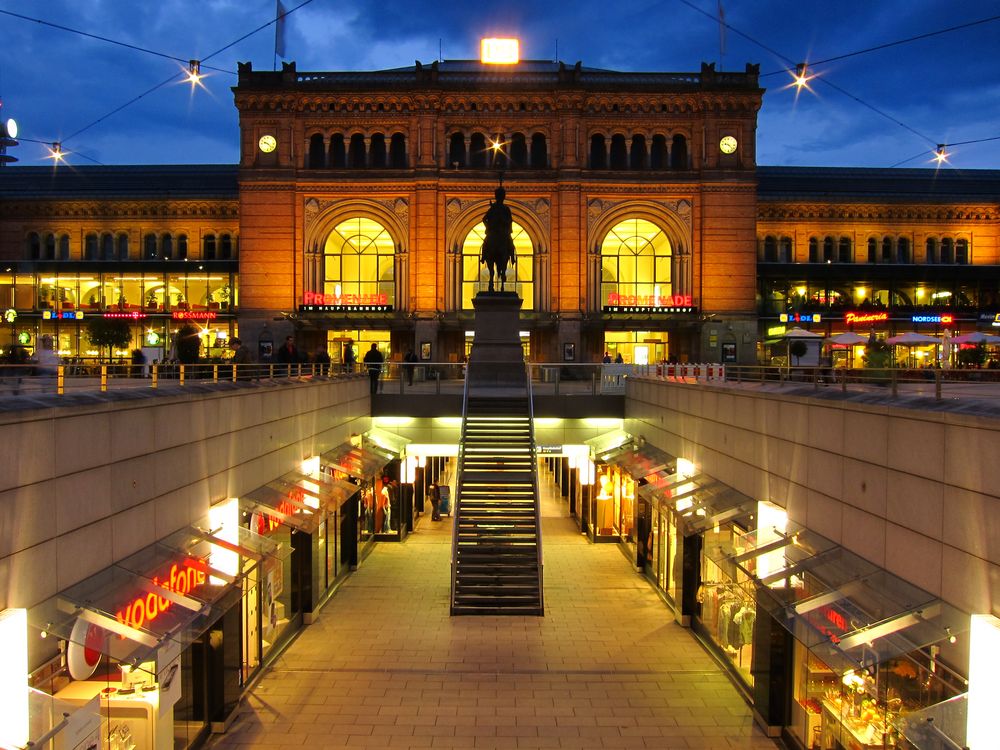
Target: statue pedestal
point(496, 359)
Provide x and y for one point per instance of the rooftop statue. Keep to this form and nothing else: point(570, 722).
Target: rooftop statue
point(498, 247)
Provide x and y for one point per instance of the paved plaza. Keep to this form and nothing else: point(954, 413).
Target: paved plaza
point(385, 666)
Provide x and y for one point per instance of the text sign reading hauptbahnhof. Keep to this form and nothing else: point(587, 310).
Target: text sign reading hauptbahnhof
point(649, 304)
point(345, 303)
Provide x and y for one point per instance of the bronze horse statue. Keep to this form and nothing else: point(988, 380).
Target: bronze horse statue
point(498, 247)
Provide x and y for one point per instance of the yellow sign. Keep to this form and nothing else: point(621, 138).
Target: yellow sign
point(499, 51)
point(776, 331)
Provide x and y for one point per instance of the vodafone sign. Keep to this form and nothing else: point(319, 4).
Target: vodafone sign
point(83, 653)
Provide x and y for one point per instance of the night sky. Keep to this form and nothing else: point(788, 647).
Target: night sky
point(946, 88)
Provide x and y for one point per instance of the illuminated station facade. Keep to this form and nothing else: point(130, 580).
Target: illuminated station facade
point(642, 224)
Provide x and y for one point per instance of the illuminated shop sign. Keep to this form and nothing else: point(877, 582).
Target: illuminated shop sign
point(800, 317)
point(125, 315)
point(638, 303)
point(62, 315)
point(776, 331)
point(856, 317)
point(182, 579)
point(933, 318)
point(346, 308)
point(319, 302)
point(196, 315)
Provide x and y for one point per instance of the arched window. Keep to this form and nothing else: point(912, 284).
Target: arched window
point(770, 249)
point(356, 152)
point(844, 250)
point(149, 250)
point(518, 151)
point(397, 151)
point(828, 249)
point(456, 151)
point(167, 247)
point(90, 247)
point(376, 152)
point(598, 152)
point(637, 155)
point(887, 250)
point(337, 157)
point(49, 252)
point(182, 247)
point(932, 247)
point(226, 247)
point(658, 153)
point(636, 265)
point(122, 246)
point(208, 247)
point(619, 152)
point(477, 151)
point(872, 250)
point(813, 250)
point(33, 249)
point(539, 152)
point(962, 252)
point(679, 153)
point(64, 247)
point(947, 250)
point(107, 246)
point(317, 152)
point(475, 275)
point(903, 250)
point(785, 250)
point(358, 263)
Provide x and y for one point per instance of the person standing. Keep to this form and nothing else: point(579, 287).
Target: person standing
point(607, 358)
point(409, 363)
point(288, 354)
point(322, 360)
point(47, 360)
point(349, 358)
point(241, 358)
point(434, 494)
point(373, 361)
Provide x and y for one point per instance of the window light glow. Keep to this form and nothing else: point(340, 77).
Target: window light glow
point(14, 678)
point(984, 682)
point(224, 518)
point(494, 51)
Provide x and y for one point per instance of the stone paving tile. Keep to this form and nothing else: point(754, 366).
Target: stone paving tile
point(385, 666)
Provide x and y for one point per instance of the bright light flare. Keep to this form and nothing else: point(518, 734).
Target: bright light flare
point(800, 79)
point(194, 74)
point(499, 51)
point(941, 154)
point(56, 153)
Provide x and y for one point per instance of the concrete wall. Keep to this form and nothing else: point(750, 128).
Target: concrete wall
point(913, 491)
point(84, 486)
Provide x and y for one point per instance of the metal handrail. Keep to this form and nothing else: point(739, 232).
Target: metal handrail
point(535, 492)
point(459, 474)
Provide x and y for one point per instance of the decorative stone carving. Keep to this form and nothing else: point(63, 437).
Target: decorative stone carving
point(541, 209)
point(594, 209)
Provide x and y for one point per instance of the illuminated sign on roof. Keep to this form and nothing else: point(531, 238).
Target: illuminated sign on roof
point(499, 51)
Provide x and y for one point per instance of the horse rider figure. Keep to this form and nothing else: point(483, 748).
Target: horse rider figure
point(498, 247)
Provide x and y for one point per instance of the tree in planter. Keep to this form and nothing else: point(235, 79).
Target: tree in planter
point(798, 350)
point(108, 332)
point(878, 358)
point(188, 344)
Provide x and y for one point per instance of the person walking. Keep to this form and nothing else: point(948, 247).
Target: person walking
point(241, 358)
point(349, 358)
point(434, 494)
point(322, 361)
point(409, 364)
point(373, 361)
point(47, 363)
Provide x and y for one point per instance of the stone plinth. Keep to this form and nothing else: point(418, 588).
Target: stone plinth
point(496, 359)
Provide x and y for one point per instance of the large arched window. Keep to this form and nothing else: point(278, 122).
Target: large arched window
point(358, 264)
point(636, 265)
point(476, 277)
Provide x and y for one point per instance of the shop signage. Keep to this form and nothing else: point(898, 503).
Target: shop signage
point(10, 315)
point(62, 314)
point(267, 523)
point(182, 579)
point(549, 449)
point(800, 317)
point(346, 308)
point(83, 652)
point(126, 315)
point(859, 317)
point(645, 304)
point(832, 623)
point(319, 302)
point(196, 315)
point(776, 330)
point(933, 319)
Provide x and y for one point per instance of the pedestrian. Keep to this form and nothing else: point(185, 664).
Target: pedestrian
point(322, 361)
point(373, 361)
point(619, 360)
point(138, 364)
point(607, 358)
point(288, 354)
point(47, 363)
point(434, 494)
point(241, 358)
point(409, 364)
point(349, 358)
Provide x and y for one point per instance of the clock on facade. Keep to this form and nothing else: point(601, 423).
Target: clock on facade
point(728, 145)
point(267, 143)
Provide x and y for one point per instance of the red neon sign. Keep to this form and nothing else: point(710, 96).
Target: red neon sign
point(633, 300)
point(181, 580)
point(196, 315)
point(852, 317)
point(266, 523)
point(318, 298)
point(127, 315)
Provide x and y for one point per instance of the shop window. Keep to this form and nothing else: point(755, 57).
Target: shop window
point(813, 250)
point(785, 249)
point(475, 275)
point(477, 151)
point(637, 156)
point(828, 249)
point(358, 263)
point(872, 250)
point(90, 247)
point(844, 250)
point(376, 152)
point(931, 248)
point(64, 247)
point(49, 251)
point(962, 252)
point(208, 247)
point(947, 250)
point(456, 151)
point(226, 247)
point(598, 152)
point(397, 151)
point(903, 250)
point(679, 153)
point(167, 247)
point(121, 246)
point(887, 254)
point(337, 156)
point(539, 152)
point(317, 152)
point(518, 151)
point(619, 152)
point(33, 246)
point(658, 153)
point(182, 247)
point(356, 152)
point(636, 265)
point(770, 249)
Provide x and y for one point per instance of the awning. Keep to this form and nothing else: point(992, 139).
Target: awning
point(284, 504)
point(330, 493)
point(640, 461)
point(847, 611)
point(358, 461)
point(608, 441)
point(387, 441)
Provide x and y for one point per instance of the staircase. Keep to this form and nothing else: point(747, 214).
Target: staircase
point(496, 556)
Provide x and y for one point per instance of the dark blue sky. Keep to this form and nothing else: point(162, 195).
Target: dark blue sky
point(946, 88)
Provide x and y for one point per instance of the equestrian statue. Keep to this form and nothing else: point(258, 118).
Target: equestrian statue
point(498, 247)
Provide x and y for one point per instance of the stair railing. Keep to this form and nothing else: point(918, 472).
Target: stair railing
point(537, 496)
point(459, 483)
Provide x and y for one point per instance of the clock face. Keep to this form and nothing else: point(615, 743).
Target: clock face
point(267, 143)
point(12, 128)
point(728, 145)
